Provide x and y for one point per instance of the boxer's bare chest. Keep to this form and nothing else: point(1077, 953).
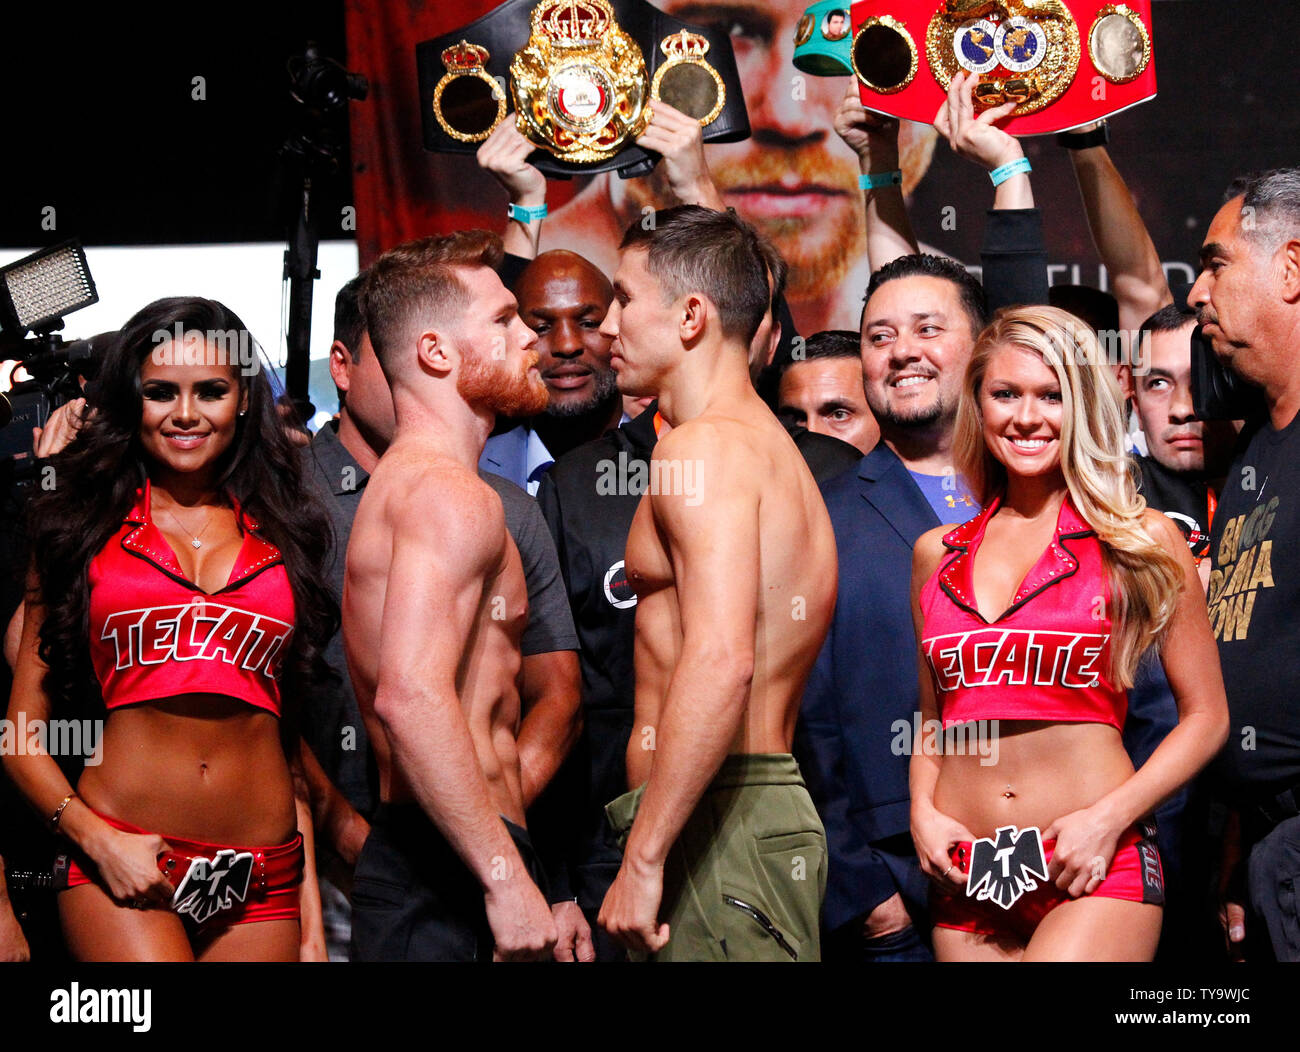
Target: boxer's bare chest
point(647, 561)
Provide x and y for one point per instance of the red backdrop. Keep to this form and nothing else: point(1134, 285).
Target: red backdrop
point(1223, 108)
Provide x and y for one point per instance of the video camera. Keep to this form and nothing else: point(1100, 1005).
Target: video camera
point(35, 294)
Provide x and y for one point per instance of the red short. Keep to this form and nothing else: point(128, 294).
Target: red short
point(222, 889)
point(1135, 875)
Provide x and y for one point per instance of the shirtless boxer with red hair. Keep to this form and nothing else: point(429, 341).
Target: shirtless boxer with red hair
point(434, 604)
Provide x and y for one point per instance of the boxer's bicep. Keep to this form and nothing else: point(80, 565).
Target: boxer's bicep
point(712, 534)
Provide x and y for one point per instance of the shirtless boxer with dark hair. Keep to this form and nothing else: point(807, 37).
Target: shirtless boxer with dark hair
point(434, 605)
point(733, 561)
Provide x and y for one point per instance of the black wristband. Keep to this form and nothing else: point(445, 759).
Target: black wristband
point(1099, 136)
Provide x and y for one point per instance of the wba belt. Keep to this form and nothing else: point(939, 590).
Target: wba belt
point(582, 76)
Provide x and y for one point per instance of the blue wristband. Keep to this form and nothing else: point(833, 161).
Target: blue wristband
point(526, 215)
point(879, 179)
point(1001, 175)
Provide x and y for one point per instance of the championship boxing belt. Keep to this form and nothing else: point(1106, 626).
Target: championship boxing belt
point(1064, 62)
point(582, 77)
point(823, 40)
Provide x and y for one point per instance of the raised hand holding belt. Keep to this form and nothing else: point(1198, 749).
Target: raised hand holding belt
point(506, 30)
point(1064, 63)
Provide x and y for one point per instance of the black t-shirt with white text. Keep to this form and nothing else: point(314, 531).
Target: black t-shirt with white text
point(1254, 606)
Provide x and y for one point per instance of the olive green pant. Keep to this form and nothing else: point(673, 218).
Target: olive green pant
point(746, 877)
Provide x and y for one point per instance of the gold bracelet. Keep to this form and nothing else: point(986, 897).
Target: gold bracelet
point(58, 811)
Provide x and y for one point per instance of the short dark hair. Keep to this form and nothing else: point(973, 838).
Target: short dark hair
point(832, 343)
point(1169, 318)
point(418, 276)
point(921, 264)
point(348, 325)
point(1238, 187)
point(694, 249)
point(777, 267)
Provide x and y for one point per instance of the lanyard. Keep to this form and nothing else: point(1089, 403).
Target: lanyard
point(1211, 506)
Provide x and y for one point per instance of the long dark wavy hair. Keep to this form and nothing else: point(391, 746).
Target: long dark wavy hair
point(96, 478)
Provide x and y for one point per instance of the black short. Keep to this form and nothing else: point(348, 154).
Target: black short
point(1274, 875)
point(413, 899)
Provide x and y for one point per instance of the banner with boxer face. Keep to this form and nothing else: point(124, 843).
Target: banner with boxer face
point(796, 180)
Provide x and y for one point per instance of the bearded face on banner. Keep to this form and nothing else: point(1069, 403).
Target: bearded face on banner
point(794, 179)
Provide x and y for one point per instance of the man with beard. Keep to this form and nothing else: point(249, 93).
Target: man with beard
point(918, 327)
point(562, 298)
point(340, 459)
point(792, 179)
point(434, 604)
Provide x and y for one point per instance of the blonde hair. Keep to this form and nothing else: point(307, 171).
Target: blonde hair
point(1145, 578)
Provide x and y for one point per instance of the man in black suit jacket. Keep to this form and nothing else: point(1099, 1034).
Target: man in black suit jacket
point(856, 726)
point(919, 325)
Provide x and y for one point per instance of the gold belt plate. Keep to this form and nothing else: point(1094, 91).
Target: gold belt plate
point(1023, 51)
point(580, 83)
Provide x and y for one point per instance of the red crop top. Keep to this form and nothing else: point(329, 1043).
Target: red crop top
point(1046, 657)
point(155, 634)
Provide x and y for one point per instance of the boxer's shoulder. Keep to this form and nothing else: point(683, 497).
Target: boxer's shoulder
point(427, 490)
point(709, 433)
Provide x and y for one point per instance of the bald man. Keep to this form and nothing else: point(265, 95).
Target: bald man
point(563, 298)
